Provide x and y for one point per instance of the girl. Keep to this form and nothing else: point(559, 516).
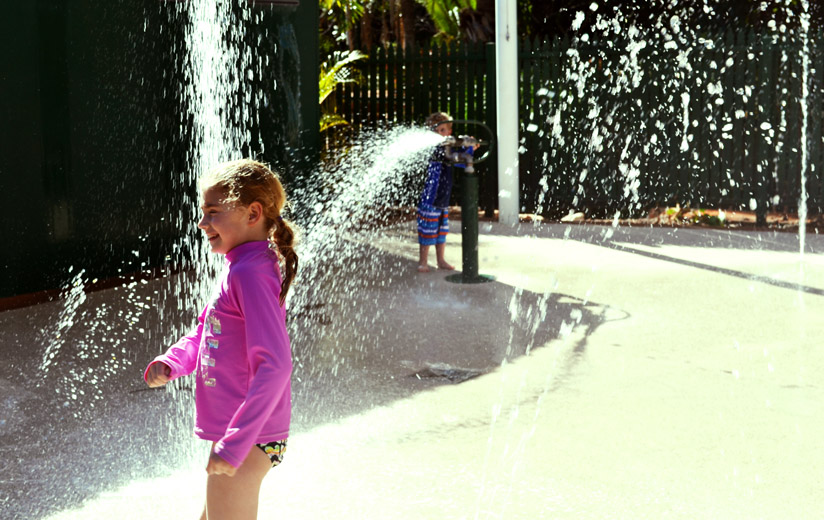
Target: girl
point(240, 348)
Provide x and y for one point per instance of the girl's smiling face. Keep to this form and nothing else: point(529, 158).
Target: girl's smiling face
point(225, 224)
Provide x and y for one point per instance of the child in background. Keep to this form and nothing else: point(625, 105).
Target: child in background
point(240, 349)
point(433, 208)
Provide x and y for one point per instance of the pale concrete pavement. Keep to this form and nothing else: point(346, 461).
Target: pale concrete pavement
point(670, 374)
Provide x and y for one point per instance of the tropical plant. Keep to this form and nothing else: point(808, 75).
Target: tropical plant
point(340, 17)
point(446, 15)
point(360, 24)
point(335, 71)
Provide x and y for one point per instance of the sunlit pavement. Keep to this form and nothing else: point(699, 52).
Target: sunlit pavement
point(625, 373)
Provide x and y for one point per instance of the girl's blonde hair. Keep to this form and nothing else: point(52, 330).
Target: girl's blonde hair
point(246, 181)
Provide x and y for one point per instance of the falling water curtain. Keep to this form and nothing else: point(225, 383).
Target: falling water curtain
point(606, 130)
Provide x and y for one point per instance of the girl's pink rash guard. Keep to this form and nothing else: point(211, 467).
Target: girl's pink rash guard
point(241, 352)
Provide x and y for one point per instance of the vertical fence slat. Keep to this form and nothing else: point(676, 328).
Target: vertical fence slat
point(435, 90)
point(786, 165)
point(412, 76)
point(526, 105)
point(343, 101)
point(546, 87)
point(560, 192)
point(447, 84)
point(459, 75)
point(651, 192)
point(392, 84)
point(380, 90)
point(425, 83)
point(815, 193)
point(353, 98)
point(405, 80)
point(478, 92)
point(470, 73)
point(764, 111)
point(728, 123)
point(422, 94)
point(742, 117)
point(420, 83)
point(362, 95)
point(710, 131)
point(448, 80)
point(440, 68)
point(489, 182)
point(373, 89)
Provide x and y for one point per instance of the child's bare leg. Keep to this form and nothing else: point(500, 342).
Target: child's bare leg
point(236, 497)
point(423, 259)
point(442, 263)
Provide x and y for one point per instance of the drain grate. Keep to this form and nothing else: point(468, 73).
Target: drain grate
point(447, 372)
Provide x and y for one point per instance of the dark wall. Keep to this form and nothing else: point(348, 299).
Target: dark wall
point(20, 139)
point(93, 142)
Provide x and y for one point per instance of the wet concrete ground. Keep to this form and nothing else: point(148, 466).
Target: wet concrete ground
point(617, 373)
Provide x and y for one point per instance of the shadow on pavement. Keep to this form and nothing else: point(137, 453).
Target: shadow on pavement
point(382, 330)
point(664, 236)
point(717, 269)
point(626, 238)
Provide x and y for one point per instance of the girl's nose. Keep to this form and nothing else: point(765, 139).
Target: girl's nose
point(202, 224)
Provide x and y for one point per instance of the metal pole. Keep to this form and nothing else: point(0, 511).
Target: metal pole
point(469, 230)
point(464, 154)
point(506, 47)
point(469, 225)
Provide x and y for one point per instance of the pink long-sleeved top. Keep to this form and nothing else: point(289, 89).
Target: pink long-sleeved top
point(241, 352)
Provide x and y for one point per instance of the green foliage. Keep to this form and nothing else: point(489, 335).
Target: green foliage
point(338, 18)
point(445, 15)
point(686, 215)
point(353, 9)
point(335, 71)
point(328, 121)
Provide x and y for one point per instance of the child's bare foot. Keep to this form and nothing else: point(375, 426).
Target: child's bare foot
point(423, 268)
point(446, 267)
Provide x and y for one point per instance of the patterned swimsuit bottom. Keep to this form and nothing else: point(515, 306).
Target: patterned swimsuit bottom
point(274, 450)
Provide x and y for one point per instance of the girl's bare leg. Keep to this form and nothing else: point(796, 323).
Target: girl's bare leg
point(442, 263)
point(236, 497)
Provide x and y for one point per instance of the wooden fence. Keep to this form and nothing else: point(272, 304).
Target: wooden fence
point(626, 125)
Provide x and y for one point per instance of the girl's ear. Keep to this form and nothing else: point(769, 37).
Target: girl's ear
point(255, 212)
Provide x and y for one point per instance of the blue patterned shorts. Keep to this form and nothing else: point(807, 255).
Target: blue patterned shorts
point(433, 225)
point(274, 450)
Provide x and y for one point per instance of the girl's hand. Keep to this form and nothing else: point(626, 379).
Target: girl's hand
point(218, 466)
point(158, 375)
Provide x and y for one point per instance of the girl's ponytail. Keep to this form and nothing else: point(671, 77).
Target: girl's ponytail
point(284, 238)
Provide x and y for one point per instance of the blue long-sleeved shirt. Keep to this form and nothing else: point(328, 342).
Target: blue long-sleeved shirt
point(439, 179)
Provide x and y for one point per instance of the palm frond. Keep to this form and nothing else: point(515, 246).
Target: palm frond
point(333, 72)
point(338, 72)
point(327, 121)
point(444, 14)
